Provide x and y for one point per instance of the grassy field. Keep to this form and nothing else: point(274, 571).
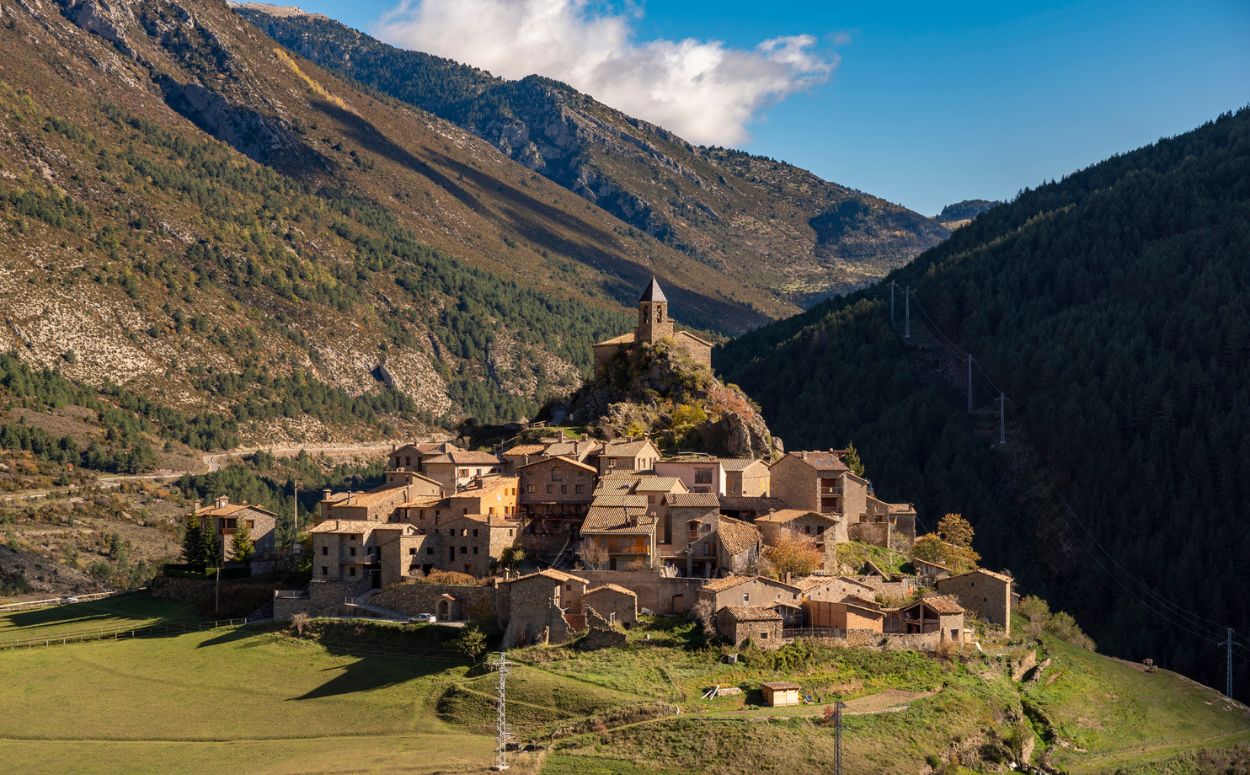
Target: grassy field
point(368, 698)
point(108, 615)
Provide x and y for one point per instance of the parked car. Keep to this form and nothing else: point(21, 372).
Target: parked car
point(423, 619)
point(69, 599)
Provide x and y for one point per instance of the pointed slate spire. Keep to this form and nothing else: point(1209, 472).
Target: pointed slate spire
point(653, 292)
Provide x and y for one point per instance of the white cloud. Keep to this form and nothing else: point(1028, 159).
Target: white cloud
point(704, 91)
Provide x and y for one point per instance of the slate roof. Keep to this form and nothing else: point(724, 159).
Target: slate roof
point(939, 603)
point(728, 582)
point(653, 292)
point(550, 573)
point(758, 504)
point(612, 588)
point(782, 516)
point(466, 458)
point(656, 483)
point(624, 448)
point(617, 520)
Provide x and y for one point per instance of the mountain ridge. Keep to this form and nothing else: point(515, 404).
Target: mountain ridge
point(735, 212)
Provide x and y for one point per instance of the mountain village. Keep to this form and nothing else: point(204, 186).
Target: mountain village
point(551, 537)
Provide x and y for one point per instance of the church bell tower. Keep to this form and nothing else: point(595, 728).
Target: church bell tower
point(653, 320)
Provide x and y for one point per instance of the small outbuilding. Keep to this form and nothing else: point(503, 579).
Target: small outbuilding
point(779, 693)
point(738, 624)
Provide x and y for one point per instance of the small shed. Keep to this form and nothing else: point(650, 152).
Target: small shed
point(762, 626)
point(613, 602)
point(779, 693)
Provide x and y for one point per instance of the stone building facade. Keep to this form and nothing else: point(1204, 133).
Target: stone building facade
point(223, 519)
point(614, 603)
point(985, 593)
point(761, 626)
point(654, 325)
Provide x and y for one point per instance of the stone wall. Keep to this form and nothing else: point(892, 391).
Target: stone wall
point(284, 608)
point(987, 597)
point(613, 605)
point(875, 533)
point(661, 594)
point(416, 597)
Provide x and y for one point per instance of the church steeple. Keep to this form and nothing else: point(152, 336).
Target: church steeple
point(653, 320)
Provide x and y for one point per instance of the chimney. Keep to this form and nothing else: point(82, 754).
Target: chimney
point(787, 577)
point(325, 494)
point(222, 500)
point(196, 507)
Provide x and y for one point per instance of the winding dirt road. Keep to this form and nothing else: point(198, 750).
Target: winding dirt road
point(211, 462)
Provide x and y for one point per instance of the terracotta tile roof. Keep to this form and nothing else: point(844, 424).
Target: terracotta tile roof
point(728, 582)
point(625, 448)
point(656, 484)
point(567, 460)
point(487, 484)
point(628, 501)
point(753, 614)
point(466, 458)
point(231, 509)
point(368, 497)
point(425, 502)
point(782, 516)
point(521, 450)
point(617, 340)
point(738, 463)
point(610, 587)
point(549, 573)
point(736, 536)
point(821, 461)
point(357, 526)
point(694, 500)
point(940, 603)
point(617, 520)
point(573, 449)
point(695, 337)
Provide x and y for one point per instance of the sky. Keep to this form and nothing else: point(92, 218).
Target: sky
point(921, 103)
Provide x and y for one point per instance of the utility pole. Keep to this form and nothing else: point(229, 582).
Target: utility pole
point(295, 516)
point(837, 736)
point(1228, 681)
point(907, 313)
point(1002, 418)
point(217, 588)
point(501, 722)
point(969, 383)
point(893, 285)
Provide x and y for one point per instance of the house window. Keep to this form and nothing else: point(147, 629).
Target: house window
point(564, 488)
point(703, 476)
point(351, 571)
point(475, 550)
point(556, 475)
point(529, 488)
point(251, 523)
point(464, 550)
point(325, 550)
point(412, 551)
point(429, 550)
point(763, 635)
point(325, 571)
point(353, 551)
point(706, 528)
point(351, 538)
point(475, 532)
point(549, 489)
point(579, 488)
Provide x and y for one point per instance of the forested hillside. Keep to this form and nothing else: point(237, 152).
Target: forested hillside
point(763, 223)
point(1112, 309)
point(194, 224)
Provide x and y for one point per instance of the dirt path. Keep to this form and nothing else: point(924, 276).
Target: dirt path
point(211, 462)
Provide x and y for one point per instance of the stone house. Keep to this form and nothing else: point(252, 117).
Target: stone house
point(891, 525)
point(819, 481)
point(223, 519)
point(625, 456)
point(614, 603)
point(544, 607)
point(760, 625)
point(627, 533)
point(929, 572)
point(456, 469)
point(750, 591)
point(699, 473)
point(412, 457)
point(696, 540)
point(935, 613)
point(654, 325)
point(556, 488)
point(380, 503)
point(825, 530)
point(833, 589)
point(984, 592)
point(351, 550)
point(746, 478)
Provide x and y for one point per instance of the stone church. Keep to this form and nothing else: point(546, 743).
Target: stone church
point(654, 324)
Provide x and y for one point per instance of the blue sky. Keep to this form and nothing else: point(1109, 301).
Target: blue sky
point(934, 102)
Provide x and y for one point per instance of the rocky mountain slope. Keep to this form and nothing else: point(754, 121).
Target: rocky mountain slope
point(765, 224)
point(195, 222)
point(960, 213)
point(1110, 307)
